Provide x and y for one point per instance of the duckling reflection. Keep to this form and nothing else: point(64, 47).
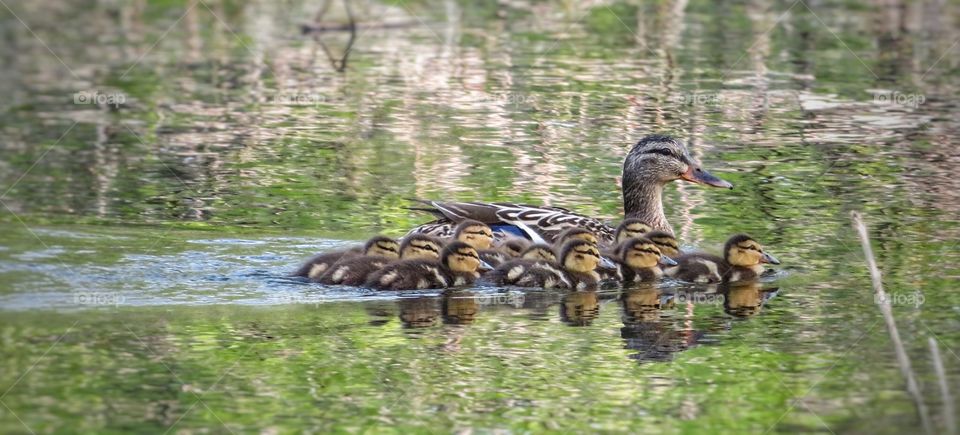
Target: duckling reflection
point(745, 299)
point(654, 336)
point(380, 312)
point(579, 308)
point(419, 312)
point(459, 307)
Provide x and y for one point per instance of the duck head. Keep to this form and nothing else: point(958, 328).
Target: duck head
point(420, 246)
point(539, 251)
point(666, 242)
point(742, 250)
point(664, 159)
point(461, 257)
point(581, 256)
point(474, 233)
point(514, 247)
point(653, 162)
point(631, 228)
point(640, 253)
point(382, 247)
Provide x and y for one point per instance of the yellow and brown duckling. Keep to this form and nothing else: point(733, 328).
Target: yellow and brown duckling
point(420, 246)
point(354, 271)
point(640, 260)
point(320, 263)
point(668, 244)
point(459, 264)
point(576, 269)
point(505, 250)
point(743, 260)
point(630, 228)
point(539, 251)
point(474, 233)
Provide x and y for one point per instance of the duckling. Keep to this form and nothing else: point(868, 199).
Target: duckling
point(579, 260)
point(420, 246)
point(474, 233)
point(666, 242)
point(458, 265)
point(316, 266)
point(575, 233)
point(354, 271)
point(641, 259)
point(506, 250)
point(539, 251)
point(630, 228)
point(743, 259)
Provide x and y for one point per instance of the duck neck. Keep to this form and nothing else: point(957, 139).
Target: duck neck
point(643, 200)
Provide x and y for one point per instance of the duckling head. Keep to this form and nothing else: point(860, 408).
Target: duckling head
point(640, 253)
point(420, 246)
point(659, 159)
point(514, 246)
point(474, 233)
point(742, 250)
point(577, 233)
point(666, 242)
point(580, 256)
point(631, 228)
point(383, 247)
point(539, 251)
point(461, 257)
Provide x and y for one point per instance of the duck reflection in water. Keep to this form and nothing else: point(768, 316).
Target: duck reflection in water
point(459, 307)
point(579, 308)
point(645, 330)
point(745, 299)
point(419, 312)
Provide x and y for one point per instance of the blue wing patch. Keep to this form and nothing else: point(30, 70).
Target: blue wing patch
point(510, 230)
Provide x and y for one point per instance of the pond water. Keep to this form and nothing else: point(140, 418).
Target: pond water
point(145, 246)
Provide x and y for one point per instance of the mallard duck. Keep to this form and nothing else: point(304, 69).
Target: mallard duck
point(458, 265)
point(355, 270)
point(666, 242)
point(630, 228)
point(743, 259)
point(640, 259)
point(476, 234)
point(379, 246)
point(577, 269)
point(652, 163)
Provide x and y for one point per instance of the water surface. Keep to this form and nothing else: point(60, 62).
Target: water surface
point(145, 246)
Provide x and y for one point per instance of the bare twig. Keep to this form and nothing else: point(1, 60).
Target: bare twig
point(947, 399)
point(883, 302)
point(341, 64)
